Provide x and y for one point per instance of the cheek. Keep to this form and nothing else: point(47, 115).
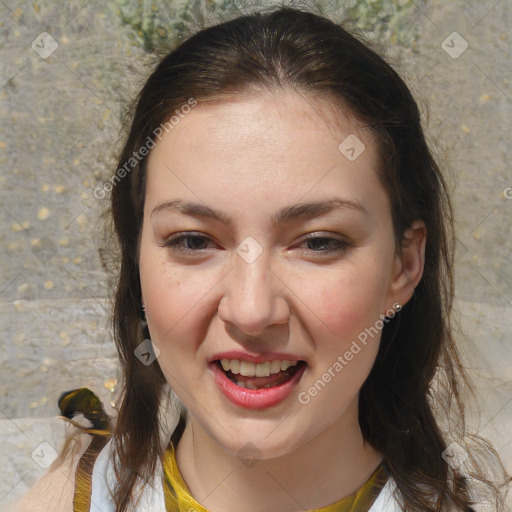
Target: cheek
point(346, 334)
point(177, 299)
point(170, 311)
point(169, 297)
point(346, 304)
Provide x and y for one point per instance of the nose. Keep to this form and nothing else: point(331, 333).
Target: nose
point(254, 297)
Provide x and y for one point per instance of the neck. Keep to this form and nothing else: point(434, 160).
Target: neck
point(331, 466)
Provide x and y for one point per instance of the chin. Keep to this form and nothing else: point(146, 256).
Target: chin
point(252, 441)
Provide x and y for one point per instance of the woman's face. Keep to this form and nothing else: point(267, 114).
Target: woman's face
point(313, 287)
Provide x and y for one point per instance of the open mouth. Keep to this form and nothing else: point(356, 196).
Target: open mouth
point(266, 375)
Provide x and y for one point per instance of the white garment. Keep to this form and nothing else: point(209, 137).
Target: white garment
point(152, 500)
point(103, 480)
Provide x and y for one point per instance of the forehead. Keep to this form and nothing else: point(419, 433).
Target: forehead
point(270, 145)
point(272, 117)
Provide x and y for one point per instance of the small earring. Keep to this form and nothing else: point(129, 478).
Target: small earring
point(144, 311)
point(397, 306)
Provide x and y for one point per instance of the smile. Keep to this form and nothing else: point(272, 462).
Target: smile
point(248, 369)
point(257, 386)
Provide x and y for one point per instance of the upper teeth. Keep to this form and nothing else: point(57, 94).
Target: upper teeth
point(255, 370)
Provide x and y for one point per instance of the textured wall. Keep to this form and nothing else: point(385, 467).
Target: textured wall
point(66, 71)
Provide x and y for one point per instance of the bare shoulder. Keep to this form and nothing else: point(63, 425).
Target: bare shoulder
point(55, 489)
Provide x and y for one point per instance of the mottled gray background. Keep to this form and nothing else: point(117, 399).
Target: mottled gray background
point(60, 126)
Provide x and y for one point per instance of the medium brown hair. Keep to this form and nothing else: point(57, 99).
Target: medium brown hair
point(418, 372)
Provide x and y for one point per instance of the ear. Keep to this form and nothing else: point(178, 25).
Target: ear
point(409, 265)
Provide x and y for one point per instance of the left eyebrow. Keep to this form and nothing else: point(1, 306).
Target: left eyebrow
point(282, 216)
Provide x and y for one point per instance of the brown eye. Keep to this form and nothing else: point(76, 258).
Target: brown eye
point(325, 244)
point(188, 243)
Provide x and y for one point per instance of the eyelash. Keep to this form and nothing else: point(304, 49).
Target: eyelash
point(173, 243)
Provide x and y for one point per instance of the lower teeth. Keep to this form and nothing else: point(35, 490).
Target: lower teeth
point(250, 386)
point(247, 385)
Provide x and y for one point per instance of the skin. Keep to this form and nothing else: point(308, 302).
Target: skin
point(250, 156)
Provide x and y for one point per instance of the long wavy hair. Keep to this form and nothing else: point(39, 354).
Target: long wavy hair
point(412, 404)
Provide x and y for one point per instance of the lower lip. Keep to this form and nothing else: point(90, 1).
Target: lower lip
point(255, 398)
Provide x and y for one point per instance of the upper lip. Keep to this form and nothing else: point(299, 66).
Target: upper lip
point(255, 358)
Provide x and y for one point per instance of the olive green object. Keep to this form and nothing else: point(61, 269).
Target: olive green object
point(84, 401)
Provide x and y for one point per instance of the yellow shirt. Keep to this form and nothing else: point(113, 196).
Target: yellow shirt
point(179, 499)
